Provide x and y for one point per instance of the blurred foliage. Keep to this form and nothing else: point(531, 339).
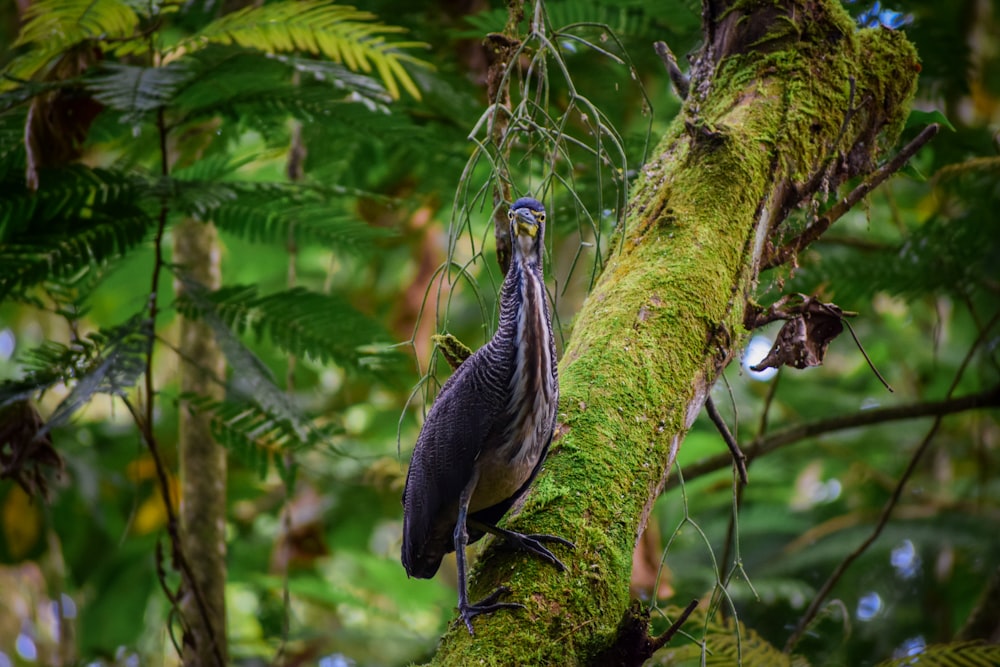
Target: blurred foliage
point(389, 230)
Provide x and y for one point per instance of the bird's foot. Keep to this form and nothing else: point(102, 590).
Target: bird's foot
point(534, 544)
point(487, 605)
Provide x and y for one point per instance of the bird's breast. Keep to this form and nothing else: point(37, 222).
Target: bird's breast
point(531, 405)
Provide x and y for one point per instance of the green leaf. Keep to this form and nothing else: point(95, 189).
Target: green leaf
point(109, 361)
point(255, 379)
point(57, 23)
point(52, 26)
point(341, 33)
point(918, 118)
point(63, 254)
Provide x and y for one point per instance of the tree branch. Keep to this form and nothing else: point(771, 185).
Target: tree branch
point(739, 459)
point(781, 255)
point(793, 434)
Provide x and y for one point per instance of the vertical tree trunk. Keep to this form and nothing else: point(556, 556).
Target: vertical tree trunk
point(202, 461)
point(761, 131)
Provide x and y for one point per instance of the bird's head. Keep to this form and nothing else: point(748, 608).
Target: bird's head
point(527, 226)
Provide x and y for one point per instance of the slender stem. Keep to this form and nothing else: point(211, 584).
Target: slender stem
point(739, 459)
point(861, 347)
point(680, 81)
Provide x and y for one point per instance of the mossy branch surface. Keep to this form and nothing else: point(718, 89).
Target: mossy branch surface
point(769, 95)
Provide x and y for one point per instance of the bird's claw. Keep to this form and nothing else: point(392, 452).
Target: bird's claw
point(533, 544)
point(542, 537)
point(487, 605)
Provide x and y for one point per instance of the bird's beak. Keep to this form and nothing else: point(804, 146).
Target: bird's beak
point(525, 223)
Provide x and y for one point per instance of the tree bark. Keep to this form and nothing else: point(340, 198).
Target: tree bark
point(786, 98)
point(202, 460)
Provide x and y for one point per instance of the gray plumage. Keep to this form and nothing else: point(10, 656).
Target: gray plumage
point(487, 434)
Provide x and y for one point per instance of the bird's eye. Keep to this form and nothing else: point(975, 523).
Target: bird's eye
point(510, 214)
point(540, 217)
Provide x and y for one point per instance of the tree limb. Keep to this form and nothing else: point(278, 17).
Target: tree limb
point(793, 434)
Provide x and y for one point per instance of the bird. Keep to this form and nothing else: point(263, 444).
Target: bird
point(488, 432)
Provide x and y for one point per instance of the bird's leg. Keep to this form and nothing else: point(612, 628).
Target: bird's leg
point(488, 604)
point(530, 543)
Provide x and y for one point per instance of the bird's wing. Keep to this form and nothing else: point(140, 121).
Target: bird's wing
point(465, 418)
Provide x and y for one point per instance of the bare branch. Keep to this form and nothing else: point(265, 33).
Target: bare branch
point(668, 634)
point(682, 84)
point(793, 434)
point(739, 459)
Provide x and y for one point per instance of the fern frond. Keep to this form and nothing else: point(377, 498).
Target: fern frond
point(338, 76)
point(315, 223)
point(60, 23)
point(80, 218)
point(53, 26)
point(109, 361)
point(88, 243)
point(254, 378)
point(269, 212)
point(255, 435)
point(73, 192)
point(341, 33)
point(962, 654)
point(27, 90)
point(322, 327)
point(135, 90)
point(961, 250)
point(256, 88)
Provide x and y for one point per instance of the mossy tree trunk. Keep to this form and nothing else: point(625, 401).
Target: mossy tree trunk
point(762, 130)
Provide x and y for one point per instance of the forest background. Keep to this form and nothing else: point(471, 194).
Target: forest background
point(349, 166)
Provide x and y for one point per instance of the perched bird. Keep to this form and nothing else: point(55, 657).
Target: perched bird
point(488, 432)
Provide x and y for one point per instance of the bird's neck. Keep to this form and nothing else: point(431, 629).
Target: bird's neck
point(524, 275)
point(532, 396)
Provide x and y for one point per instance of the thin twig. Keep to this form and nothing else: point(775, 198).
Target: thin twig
point(889, 506)
point(800, 432)
point(731, 542)
point(865, 354)
point(765, 412)
point(739, 460)
point(668, 634)
point(145, 424)
point(682, 84)
point(781, 255)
